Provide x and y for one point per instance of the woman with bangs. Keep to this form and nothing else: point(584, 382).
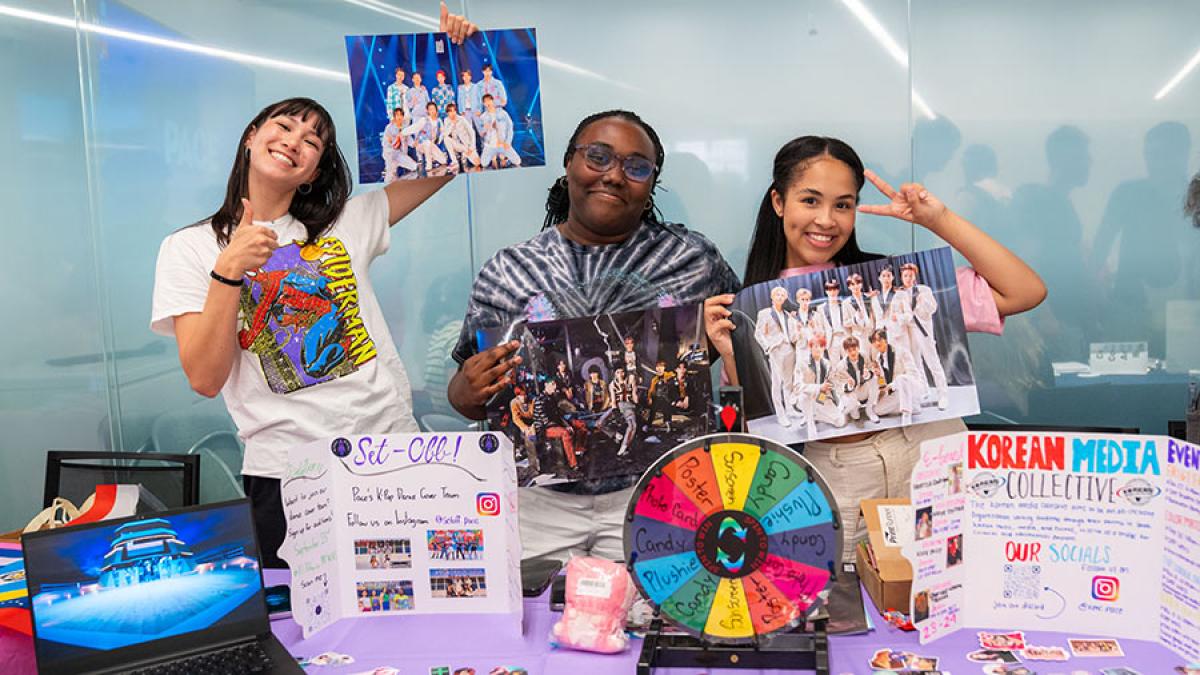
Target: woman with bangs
point(271, 302)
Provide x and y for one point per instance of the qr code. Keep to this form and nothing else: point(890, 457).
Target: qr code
point(1022, 582)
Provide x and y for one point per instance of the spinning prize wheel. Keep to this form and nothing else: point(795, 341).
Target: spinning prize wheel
point(732, 537)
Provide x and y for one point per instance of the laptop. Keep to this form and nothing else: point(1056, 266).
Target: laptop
point(174, 592)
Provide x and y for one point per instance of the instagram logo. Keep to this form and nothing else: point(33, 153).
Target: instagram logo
point(487, 504)
point(1106, 589)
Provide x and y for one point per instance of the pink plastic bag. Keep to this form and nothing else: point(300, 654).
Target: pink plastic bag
point(599, 594)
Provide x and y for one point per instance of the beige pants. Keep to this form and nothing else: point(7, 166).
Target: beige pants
point(878, 467)
point(559, 524)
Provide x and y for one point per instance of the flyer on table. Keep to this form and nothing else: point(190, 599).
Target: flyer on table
point(393, 524)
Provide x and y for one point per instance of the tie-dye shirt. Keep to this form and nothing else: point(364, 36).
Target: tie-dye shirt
point(551, 277)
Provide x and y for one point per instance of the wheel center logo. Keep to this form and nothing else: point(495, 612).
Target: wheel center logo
point(731, 544)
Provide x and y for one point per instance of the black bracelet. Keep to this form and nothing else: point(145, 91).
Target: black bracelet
point(224, 280)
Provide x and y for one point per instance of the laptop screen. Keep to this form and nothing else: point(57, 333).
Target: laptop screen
point(123, 590)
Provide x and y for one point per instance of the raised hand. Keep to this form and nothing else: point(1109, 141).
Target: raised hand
point(489, 371)
point(717, 324)
point(249, 248)
point(455, 26)
point(912, 202)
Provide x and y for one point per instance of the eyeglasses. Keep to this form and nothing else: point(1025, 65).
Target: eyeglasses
point(601, 158)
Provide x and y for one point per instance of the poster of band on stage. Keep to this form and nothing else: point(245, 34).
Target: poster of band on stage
point(603, 396)
point(424, 106)
point(852, 349)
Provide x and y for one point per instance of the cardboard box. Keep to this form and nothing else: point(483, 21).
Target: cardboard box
point(889, 580)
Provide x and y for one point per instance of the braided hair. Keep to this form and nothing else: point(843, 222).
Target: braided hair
point(558, 202)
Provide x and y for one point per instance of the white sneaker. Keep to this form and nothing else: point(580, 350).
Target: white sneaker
point(783, 420)
point(854, 413)
point(872, 416)
point(943, 402)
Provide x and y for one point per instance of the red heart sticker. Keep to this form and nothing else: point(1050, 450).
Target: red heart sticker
point(728, 417)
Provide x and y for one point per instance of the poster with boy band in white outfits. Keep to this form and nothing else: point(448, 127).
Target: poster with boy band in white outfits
point(424, 106)
point(854, 349)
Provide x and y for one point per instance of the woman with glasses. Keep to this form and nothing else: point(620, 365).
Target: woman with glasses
point(603, 248)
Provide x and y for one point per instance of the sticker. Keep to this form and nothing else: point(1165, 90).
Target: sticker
point(1007, 669)
point(1119, 670)
point(920, 663)
point(993, 656)
point(1013, 640)
point(890, 659)
point(1095, 647)
point(1053, 653)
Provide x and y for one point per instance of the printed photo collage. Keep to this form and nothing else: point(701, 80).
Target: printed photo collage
point(386, 581)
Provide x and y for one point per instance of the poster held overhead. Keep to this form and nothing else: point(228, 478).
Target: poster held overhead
point(424, 106)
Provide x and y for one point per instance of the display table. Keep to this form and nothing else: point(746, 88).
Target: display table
point(484, 642)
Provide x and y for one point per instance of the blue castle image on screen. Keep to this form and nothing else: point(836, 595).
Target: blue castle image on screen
point(145, 550)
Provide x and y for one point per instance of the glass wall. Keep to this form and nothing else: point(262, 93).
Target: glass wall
point(1038, 120)
point(1060, 137)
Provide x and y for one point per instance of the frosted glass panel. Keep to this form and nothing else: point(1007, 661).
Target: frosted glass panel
point(1068, 157)
point(52, 357)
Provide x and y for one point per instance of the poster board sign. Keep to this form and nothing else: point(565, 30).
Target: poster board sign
point(853, 349)
point(397, 524)
point(1095, 534)
point(424, 106)
point(603, 396)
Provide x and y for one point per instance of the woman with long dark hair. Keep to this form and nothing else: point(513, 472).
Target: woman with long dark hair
point(271, 302)
point(806, 223)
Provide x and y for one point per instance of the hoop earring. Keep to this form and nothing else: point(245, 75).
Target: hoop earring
point(561, 182)
point(304, 188)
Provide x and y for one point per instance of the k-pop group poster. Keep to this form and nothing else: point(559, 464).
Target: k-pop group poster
point(426, 107)
point(603, 396)
point(854, 349)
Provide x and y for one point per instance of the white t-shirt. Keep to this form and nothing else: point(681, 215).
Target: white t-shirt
point(317, 359)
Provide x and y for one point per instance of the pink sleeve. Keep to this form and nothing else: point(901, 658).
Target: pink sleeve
point(980, 313)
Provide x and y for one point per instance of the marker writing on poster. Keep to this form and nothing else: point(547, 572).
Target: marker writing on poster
point(374, 458)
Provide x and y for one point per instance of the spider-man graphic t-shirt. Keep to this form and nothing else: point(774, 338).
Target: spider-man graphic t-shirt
point(316, 356)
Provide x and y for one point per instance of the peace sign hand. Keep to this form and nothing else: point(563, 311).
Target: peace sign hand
point(912, 203)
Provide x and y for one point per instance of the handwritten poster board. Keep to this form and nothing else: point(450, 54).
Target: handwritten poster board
point(863, 347)
point(401, 524)
point(1081, 532)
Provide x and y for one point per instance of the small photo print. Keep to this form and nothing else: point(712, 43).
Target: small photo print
point(1039, 653)
point(469, 582)
point(993, 656)
point(1008, 669)
point(384, 596)
point(1013, 640)
point(924, 523)
point(455, 544)
point(954, 552)
point(921, 608)
point(382, 554)
point(954, 475)
point(1095, 647)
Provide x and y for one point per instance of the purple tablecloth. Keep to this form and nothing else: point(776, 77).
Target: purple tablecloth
point(416, 644)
